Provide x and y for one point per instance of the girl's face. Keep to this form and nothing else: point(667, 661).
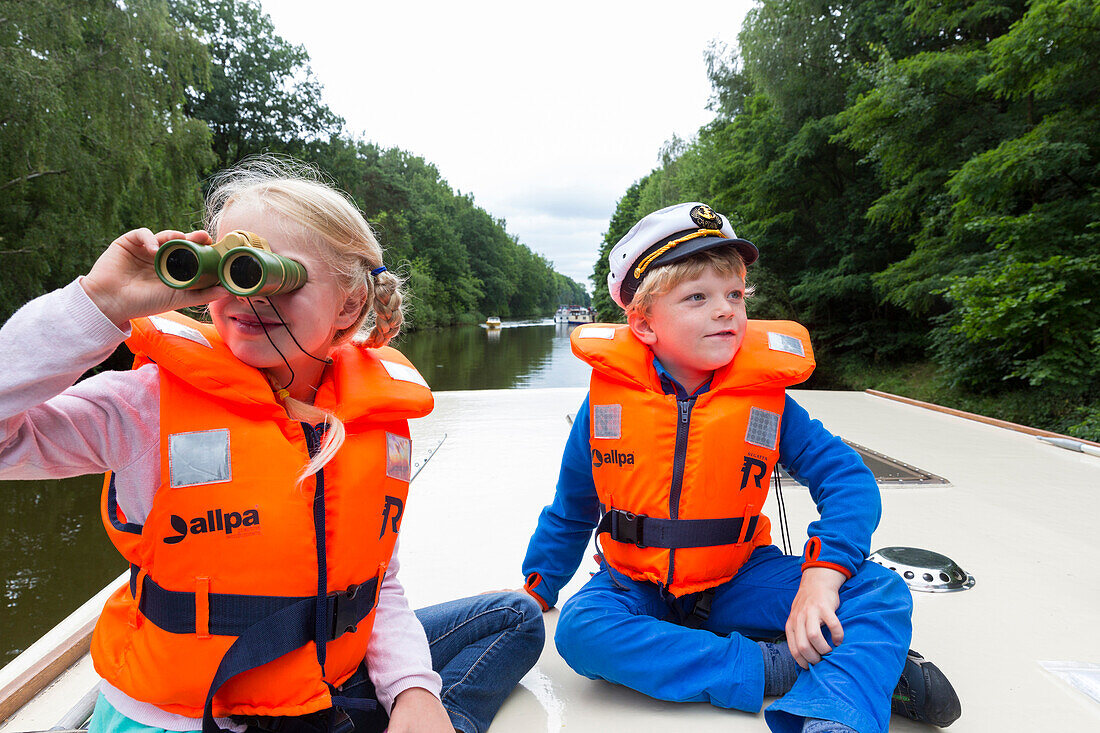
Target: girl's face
point(312, 313)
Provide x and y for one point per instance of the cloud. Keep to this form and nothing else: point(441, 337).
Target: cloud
point(558, 200)
point(546, 113)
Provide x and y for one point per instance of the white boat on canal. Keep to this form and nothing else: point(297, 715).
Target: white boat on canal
point(1018, 515)
point(574, 315)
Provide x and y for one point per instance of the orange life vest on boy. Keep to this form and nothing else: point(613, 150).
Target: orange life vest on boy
point(232, 537)
point(683, 481)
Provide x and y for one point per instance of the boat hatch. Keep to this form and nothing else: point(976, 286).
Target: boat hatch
point(888, 471)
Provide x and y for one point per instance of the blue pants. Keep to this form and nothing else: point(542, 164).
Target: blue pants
point(614, 629)
point(481, 646)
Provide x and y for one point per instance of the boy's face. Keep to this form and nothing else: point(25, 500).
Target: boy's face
point(696, 327)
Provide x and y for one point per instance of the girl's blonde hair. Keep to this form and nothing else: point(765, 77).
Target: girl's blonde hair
point(312, 210)
point(725, 260)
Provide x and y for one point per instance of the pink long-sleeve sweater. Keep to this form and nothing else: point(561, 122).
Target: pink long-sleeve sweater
point(51, 427)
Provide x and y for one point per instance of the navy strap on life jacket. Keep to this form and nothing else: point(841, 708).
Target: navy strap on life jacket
point(233, 615)
point(266, 627)
point(643, 531)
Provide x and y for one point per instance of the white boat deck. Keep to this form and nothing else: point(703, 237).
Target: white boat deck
point(1018, 514)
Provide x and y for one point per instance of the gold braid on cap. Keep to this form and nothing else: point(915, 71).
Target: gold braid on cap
point(641, 267)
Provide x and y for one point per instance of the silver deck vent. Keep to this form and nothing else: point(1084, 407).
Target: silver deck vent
point(924, 570)
point(889, 472)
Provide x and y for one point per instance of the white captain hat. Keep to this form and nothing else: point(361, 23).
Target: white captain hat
point(666, 236)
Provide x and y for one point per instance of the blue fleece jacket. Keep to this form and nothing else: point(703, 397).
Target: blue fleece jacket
point(843, 488)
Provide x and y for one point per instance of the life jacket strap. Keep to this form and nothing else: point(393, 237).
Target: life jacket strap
point(331, 720)
point(231, 615)
point(643, 531)
point(266, 627)
point(700, 611)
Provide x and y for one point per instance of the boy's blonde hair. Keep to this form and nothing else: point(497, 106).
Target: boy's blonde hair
point(313, 210)
point(725, 260)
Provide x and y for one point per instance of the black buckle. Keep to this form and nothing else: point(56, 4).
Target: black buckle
point(344, 616)
point(332, 720)
point(702, 604)
point(628, 528)
point(340, 722)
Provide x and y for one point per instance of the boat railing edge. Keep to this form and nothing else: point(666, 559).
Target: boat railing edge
point(976, 417)
point(40, 663)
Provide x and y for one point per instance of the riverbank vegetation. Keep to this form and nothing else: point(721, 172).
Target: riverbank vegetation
point(923, 180)
point(112, 114)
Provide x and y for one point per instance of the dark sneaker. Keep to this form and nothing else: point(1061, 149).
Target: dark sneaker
point(924, 694)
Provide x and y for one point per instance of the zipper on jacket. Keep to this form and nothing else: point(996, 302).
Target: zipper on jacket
point(313, 446)
point(679, 458)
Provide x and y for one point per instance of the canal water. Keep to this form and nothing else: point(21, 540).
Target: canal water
point(54, 553)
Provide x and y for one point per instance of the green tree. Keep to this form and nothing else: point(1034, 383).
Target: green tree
point(1035, 199)
point(261, 94)
point(94, 139)
point(492, 256)
point(626, 215)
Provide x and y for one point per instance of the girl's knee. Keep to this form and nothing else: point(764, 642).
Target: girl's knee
point(528, 608)
point(530, 623)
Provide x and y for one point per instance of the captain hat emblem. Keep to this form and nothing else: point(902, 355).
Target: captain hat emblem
point(705, 218)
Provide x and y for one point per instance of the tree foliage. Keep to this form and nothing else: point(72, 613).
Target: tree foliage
point(94, 139)
point(262, 94)
point(921, 177)
point(112, 113)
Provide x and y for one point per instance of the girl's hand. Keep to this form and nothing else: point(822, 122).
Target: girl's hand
point(814, 606)
point(123, 285)
point(417, 710)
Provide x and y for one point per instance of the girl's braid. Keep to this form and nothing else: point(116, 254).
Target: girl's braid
point(387, 309)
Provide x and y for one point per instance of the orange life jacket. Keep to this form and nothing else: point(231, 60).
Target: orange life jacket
point(683, 481)
point(232, 537)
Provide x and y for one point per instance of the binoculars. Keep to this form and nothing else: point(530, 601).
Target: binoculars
point(242, 261)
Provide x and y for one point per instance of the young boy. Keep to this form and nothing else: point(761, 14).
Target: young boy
point(670, 459)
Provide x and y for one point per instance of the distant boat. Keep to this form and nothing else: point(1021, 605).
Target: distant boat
point(492, 322)
point(574, 314)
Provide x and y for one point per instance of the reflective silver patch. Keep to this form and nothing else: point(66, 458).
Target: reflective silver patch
point(403, 373)
point(783, 342)
point(607, 421)
point(398, 457)
point(596, 332)
point(763, 428)
point(178, 329)
point(198, 458)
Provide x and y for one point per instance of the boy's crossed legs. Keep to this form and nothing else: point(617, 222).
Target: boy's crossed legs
point(614, 629)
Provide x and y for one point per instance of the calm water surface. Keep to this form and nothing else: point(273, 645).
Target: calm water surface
point(54, 553)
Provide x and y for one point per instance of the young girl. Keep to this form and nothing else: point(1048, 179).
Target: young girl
point(258, 471)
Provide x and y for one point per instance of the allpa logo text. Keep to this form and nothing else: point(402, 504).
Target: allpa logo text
point(615, 458)
point(214, 520)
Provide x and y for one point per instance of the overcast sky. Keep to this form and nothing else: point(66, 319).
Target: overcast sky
point(545, 112)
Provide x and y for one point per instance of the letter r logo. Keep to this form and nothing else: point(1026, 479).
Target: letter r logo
point(747, 471)
point(391, 501)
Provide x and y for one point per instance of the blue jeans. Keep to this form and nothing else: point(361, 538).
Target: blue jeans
point(615, 629)
point(481, 646)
